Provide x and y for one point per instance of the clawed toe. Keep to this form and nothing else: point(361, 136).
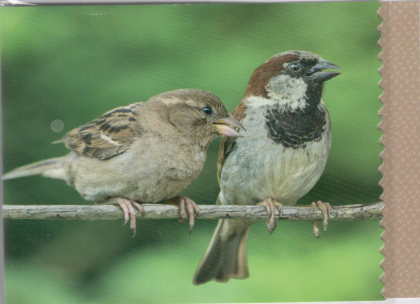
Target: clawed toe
point(270, 206)
point(188, 209)
point(191, 211)
point(326, 211)
point(129, 211)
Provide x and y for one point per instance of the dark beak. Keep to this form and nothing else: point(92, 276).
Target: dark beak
point(316, 74)
point(225, 126)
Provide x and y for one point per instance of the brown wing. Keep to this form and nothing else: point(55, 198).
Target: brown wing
point(228, 143)
point(107, 136)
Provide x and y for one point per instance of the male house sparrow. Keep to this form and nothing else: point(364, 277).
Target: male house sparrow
point(145, 152)
point(280, 159)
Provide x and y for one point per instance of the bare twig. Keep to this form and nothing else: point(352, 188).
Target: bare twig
point(155, 211)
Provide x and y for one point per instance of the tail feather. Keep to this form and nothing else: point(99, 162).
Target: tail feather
point(52, 168)
point(226, 256)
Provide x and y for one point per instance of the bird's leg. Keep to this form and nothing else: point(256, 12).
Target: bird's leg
point(128, 208)
point(326, 210)
point(270, 206)
point(187, 209)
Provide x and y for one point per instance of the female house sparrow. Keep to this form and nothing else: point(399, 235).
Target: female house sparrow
point(280, 159)
point(145, 152)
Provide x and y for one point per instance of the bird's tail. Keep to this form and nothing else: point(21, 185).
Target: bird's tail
point(225, 257)
point(52, 168)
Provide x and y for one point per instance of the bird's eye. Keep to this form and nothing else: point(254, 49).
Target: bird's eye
point(207, 110)
point(294, 67)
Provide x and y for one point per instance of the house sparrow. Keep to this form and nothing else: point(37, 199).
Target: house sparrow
point(280, 159)
point(146, 152)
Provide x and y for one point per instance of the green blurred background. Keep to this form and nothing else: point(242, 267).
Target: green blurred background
point(75, 63)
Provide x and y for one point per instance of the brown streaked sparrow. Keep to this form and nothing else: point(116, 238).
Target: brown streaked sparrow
point(146, 152)
point(278, 160)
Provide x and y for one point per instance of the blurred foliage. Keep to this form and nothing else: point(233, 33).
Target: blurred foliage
point(75, 63)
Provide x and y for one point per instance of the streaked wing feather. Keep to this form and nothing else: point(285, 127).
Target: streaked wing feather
point(107, 136)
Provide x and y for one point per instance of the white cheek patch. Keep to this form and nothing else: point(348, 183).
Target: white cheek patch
point(288, 92)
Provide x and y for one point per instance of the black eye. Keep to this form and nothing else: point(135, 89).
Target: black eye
point(294, 67)
point(207, 110)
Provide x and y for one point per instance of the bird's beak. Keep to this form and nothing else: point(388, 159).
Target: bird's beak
point(316, 74)
point(225, 126)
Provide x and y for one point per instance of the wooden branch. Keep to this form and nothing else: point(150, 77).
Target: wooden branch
point(155, 211)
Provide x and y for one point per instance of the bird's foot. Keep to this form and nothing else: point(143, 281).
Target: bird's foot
point(127, 207)
point(187, 209)
point(270, 206)
point(326, 211)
